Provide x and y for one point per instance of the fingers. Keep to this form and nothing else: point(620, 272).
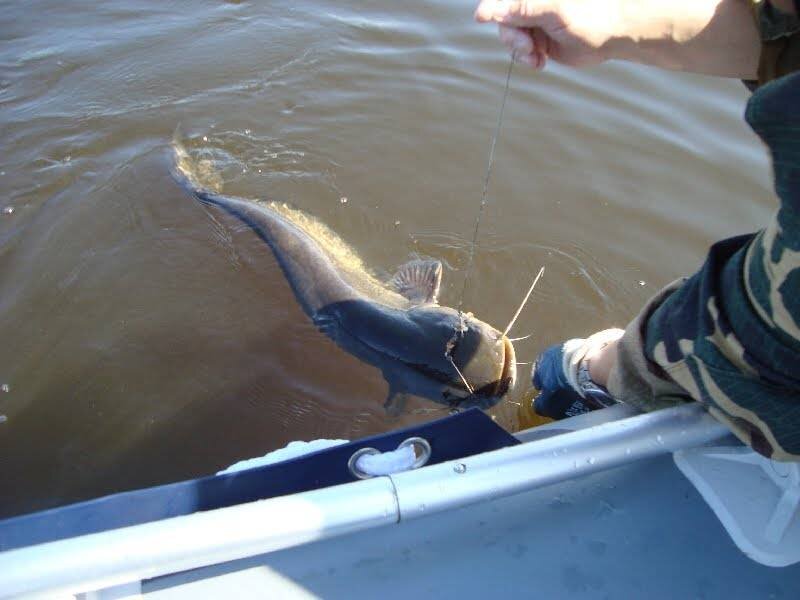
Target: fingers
point(528, 46)
point(519, 13)
point(522, 26)
point(488, 10)
point(541, 45)
point(518, 41)
point(493, 10)
point(540, 30)
point(541, 41)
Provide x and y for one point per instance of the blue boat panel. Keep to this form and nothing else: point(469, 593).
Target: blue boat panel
point(456, 436)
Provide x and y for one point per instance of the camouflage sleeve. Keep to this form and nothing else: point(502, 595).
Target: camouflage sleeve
point(729, 336)
point(780, 42)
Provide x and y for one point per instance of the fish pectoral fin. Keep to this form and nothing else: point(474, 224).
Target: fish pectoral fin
point(419, 281)
point(395, 403)
point(327, 325)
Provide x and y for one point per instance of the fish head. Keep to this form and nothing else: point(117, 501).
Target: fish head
point(476, 363)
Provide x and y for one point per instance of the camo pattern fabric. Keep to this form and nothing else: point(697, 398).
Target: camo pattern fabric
point(780, 44)
point(729, 336)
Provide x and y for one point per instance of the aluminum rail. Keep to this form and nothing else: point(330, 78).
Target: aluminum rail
point(536, 464)
point(110, 558)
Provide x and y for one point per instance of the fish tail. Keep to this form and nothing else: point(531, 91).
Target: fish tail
point(198, 177)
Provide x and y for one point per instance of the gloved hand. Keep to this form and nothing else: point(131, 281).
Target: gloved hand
point(561, 375)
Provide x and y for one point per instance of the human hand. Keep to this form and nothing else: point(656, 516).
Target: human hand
point(716, 37)
point(557, 398)
point(572, 376)
point(572, 32)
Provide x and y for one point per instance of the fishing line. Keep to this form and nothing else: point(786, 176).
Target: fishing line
point(485, 185)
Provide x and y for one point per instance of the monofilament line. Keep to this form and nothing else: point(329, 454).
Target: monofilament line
point(485, 185)
point(524, 302)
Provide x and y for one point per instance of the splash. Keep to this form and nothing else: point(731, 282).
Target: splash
point(200, 172)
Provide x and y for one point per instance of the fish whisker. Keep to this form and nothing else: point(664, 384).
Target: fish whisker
point(460, 374)
point(519, 339)
point(521, 306)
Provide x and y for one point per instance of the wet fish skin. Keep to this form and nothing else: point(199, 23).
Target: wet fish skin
point(419, 346)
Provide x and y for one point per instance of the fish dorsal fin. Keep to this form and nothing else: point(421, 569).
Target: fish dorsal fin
point(419, 281)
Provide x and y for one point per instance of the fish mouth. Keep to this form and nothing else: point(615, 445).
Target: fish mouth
point(508, 375)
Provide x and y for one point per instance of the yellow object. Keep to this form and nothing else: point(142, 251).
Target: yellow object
point(526, 418)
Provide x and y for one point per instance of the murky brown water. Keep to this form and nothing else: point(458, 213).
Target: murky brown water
point(143, 342)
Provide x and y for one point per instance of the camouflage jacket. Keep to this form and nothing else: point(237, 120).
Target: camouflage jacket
point(780, 44)
point(730, 334)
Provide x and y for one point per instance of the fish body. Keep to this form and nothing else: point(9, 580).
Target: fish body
point(421, 348)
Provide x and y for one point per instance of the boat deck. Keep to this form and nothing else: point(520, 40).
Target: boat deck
point(636, 531)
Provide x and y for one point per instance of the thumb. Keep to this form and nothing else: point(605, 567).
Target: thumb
point(495, 10)
point(518, 13)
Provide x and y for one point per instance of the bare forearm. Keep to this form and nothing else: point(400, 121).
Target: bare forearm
point(711, 37)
